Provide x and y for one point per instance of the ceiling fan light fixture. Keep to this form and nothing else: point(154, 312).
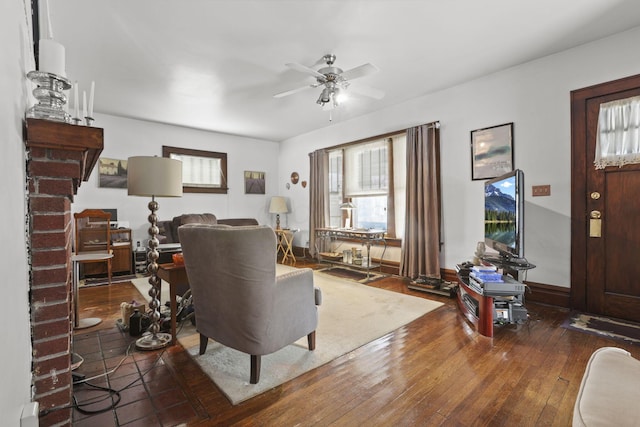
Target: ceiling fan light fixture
point(339, 96)
point(334, 82)
point(325, 96)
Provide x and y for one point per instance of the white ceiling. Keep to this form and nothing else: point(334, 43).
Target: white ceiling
point(216, 64)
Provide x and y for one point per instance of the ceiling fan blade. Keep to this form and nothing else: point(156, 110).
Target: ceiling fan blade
point(306, 70)
point(292, 91)
point(365, 90)
point(361, 71)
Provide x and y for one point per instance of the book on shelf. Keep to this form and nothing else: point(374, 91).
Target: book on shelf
point(484, 268)
point(486, 277)
point(476, 286)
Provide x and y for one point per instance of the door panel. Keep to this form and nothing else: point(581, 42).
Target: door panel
point(605, 267)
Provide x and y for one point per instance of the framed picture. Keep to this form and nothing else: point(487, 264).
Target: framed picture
point(491, 151)
point(113, 173)
point(253, 182)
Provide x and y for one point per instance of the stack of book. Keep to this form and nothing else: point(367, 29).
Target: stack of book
point(482, 274)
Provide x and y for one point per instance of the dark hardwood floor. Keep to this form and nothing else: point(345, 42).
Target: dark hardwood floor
point(434, 371)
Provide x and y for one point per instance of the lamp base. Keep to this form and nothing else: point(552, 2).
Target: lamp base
point(88, 322)
point(153, 342)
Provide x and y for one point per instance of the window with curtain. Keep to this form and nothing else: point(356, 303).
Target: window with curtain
point(618, 136)
point(365, 174)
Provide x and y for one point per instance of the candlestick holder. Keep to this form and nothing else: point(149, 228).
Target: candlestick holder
point(51, 99)
point(88, 120)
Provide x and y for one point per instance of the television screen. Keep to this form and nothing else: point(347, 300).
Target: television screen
point(504, 214)
point(113, 212)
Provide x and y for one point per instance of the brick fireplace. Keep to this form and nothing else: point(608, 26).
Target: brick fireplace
point(59, 157)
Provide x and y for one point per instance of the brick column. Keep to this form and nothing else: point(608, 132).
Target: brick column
point(59, 157)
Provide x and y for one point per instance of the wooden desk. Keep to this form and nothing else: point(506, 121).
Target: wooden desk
point(176, 276)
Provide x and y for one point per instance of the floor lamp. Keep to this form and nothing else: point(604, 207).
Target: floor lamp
point(154, 177)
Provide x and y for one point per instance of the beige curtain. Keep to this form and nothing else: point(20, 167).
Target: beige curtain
point(318, 196)
point(421, 244)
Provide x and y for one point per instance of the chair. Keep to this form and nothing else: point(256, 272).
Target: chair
point(93, 238)
point(609, 391)
point(238, 300)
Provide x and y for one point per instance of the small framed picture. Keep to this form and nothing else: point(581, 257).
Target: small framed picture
point(112, 173)
point(254, 182)
point(491, 151)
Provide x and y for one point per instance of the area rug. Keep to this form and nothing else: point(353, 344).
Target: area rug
point(351, 315)
point(605, 327)
point(356, 275)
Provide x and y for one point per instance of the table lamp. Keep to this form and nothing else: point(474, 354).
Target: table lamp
point(154, 177)
point(347, 206)
point(277, 206)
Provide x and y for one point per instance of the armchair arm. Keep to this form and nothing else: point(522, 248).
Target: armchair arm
point(295, 288)
point(295, 314)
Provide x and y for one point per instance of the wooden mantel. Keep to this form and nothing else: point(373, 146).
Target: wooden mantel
point(63, 136)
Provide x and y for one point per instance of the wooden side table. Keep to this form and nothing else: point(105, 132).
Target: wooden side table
point(176, 276)
point(285, 244)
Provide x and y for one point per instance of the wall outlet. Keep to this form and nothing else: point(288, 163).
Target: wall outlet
point(541, 190)
point(29, 417)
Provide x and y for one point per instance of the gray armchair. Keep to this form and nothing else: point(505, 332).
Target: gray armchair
point(238, 300)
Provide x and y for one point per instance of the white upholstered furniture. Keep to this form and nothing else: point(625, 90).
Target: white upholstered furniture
point(609, 394)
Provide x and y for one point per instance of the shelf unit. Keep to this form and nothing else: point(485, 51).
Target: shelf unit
point(477, 308)
point(364, 237)
point(484, 311)
point(140, 260)
point(120, 245)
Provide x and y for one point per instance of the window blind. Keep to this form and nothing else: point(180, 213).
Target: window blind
point(366, 169)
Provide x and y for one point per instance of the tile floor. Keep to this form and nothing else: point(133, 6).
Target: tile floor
point(149, 393)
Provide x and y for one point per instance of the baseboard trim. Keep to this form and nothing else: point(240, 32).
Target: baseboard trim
point(540, 292)
point(548, 294)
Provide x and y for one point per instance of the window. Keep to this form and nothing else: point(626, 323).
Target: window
point(618, 137)
point(202, 171)
point(363, 173)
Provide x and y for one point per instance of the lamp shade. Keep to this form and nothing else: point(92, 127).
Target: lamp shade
point(278, 205)
point(347, 206)
point(154, 176)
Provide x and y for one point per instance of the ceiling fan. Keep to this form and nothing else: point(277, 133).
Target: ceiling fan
point(334, 81)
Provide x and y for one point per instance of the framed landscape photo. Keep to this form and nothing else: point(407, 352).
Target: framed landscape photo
point(113, 173)
point(491, 151)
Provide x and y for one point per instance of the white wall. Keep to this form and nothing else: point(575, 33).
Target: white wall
point(535, 96)
point(16, 60)
point(124, 138)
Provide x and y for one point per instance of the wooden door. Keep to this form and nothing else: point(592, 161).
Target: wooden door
point(605, 270)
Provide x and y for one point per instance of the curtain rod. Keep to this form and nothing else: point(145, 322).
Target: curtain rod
point(435, 124)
